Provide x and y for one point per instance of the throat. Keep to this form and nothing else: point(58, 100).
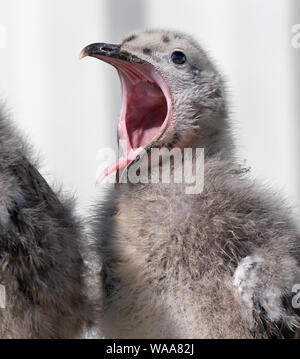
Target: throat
point(145, 113)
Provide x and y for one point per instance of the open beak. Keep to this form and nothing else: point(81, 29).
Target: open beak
point(146, 103)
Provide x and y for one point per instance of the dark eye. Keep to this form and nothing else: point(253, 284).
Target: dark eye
point(178, 57)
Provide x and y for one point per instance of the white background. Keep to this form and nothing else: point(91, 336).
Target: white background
point(69, 108)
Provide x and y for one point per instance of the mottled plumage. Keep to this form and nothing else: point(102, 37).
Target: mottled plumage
point(41, 265)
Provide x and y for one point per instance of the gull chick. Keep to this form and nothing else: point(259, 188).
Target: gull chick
point(221, 263)
point(42, 288)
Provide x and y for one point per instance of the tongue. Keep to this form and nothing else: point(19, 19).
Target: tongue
point(120, 165)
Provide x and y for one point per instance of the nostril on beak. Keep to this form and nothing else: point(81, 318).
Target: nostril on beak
point(106, 48)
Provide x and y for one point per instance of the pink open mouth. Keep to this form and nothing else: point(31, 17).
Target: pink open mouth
point(145, 113)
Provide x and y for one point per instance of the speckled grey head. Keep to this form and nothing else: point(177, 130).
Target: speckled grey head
point(172, 95)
